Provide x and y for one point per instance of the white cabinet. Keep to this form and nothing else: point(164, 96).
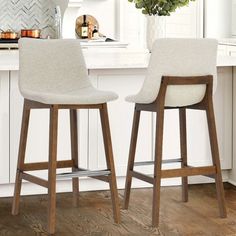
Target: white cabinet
point(231, 51)
point(226, 50)
point(121, 118)
point(121, 112)
point(198, 139)
point(222, 50)
point(199, 153)
point(4, 127)
point(123, 82)
point(38, 136)
point(223, 105)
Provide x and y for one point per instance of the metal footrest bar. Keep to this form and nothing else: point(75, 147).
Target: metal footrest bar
point(84, 173)
point(104, 178)
point(146, 163)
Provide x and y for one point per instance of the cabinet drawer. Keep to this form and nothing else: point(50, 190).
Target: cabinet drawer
point(231, 51)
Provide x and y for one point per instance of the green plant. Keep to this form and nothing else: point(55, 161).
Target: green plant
point(159, 7)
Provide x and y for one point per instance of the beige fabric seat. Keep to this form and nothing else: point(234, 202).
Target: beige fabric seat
point(53, 76)
point(178, 57)
point(58, 77)
point(181, 76)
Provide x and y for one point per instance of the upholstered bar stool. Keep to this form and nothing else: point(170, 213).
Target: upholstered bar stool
point(181, 75)
point(53, 76)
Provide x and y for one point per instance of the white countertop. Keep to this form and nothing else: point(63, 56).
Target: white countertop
point(228, 41)
point(105, 59)
point(94, 43)
point(9, 60)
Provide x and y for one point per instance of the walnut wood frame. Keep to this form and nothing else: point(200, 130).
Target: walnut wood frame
point(53, 164)
point(158, 106)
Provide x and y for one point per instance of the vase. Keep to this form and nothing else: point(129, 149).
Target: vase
point(156, 26)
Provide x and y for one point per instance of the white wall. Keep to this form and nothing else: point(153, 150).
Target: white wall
point(105, 13)
point(119, 19)
point(103, 10)
point(131, 23)
point(186, 22)
point(234, 18)
point(218, 18)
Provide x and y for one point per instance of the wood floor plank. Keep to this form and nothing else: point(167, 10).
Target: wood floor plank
point(94, 214)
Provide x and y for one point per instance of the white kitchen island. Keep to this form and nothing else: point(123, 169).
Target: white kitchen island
point(122, 71)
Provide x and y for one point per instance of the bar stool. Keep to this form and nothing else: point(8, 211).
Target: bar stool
point(181, 75)
point(53, 76)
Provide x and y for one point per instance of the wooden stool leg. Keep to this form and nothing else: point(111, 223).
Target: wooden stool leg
point(52, 169)
point(183, 149)
point(216, 157)
point(74, 154)
point(21, 158)
point(132, 150)
point(157, 166)
point(110, 161)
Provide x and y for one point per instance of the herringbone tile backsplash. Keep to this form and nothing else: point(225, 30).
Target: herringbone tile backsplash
point(27, 14)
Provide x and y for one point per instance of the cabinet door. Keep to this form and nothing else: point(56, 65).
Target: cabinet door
point(121, 112)
point(121, 118)
point(199, 152)
point(4, 127)
point(223, 105)
point(199, 144)
point(38, 135)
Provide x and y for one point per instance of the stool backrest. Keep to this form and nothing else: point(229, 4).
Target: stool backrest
point(179, 57)
point(51, 64)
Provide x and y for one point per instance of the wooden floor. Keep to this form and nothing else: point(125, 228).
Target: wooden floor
point(94, 216)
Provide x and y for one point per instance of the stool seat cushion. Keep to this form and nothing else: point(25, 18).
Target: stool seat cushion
point(87, 95)
point(54, 72)
point(178, 57)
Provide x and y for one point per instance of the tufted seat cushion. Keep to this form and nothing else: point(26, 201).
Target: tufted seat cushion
point(54, 72)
